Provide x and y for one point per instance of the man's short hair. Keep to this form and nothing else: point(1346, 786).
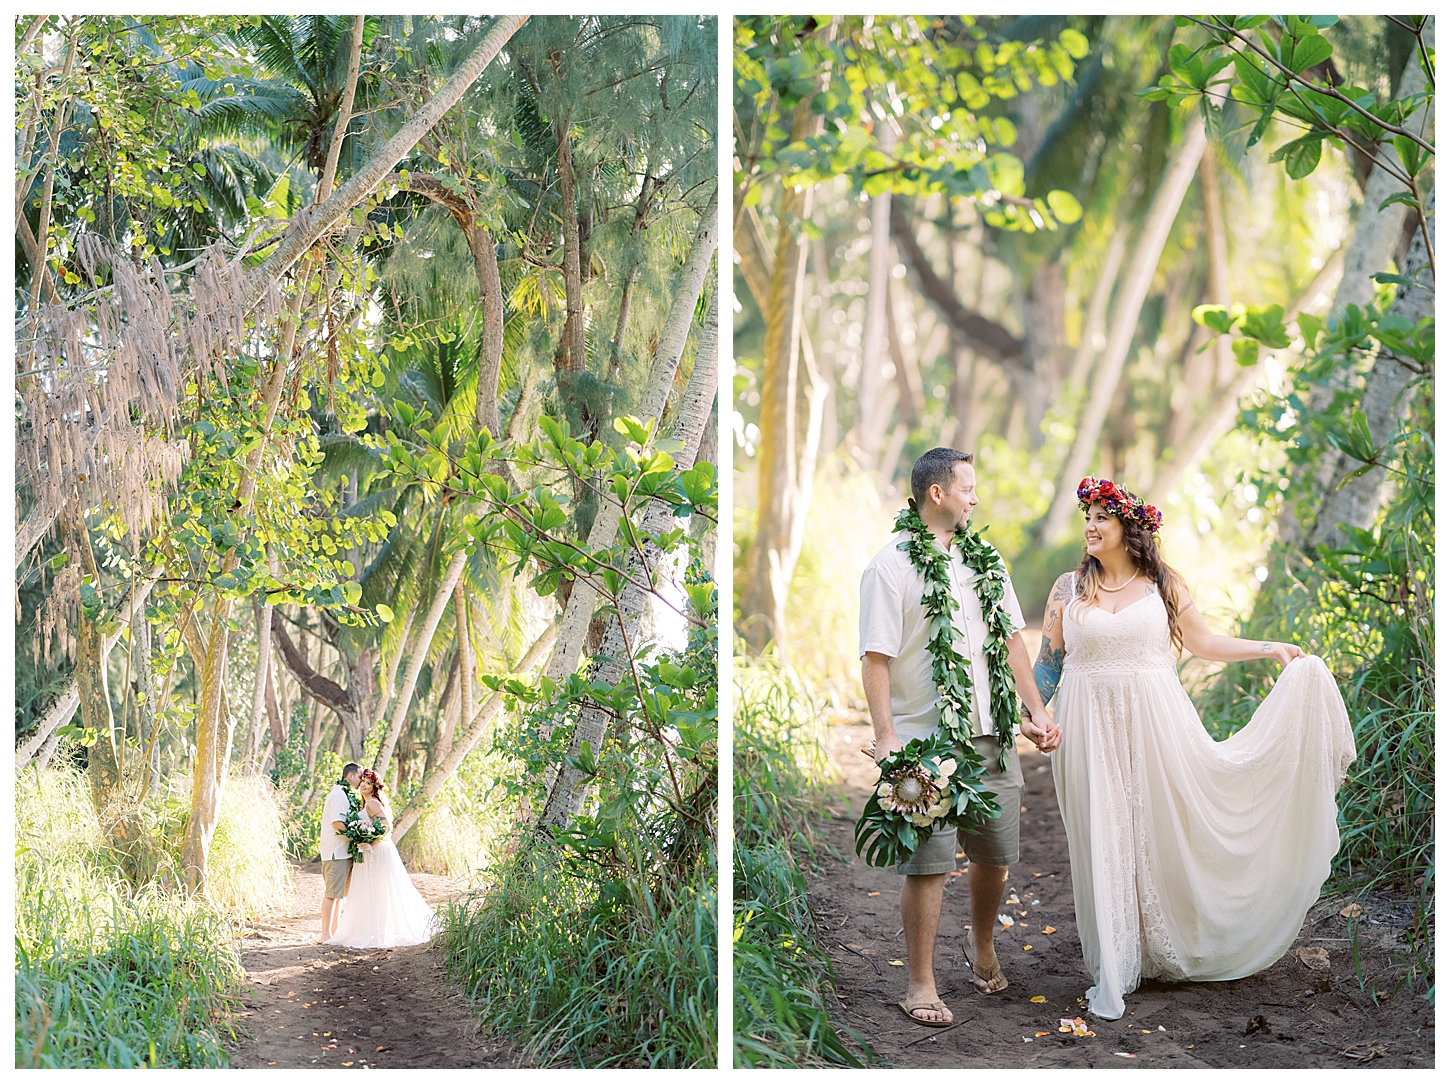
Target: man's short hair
point(350, 769)
point(935, 468)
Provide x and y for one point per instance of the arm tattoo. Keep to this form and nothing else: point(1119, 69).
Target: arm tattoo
point(1266, 647)
point(1047, 670)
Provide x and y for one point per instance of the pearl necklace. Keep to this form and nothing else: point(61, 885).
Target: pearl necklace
point(1113, 590)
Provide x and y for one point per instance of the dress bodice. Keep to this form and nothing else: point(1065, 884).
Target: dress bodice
point(1135, 638)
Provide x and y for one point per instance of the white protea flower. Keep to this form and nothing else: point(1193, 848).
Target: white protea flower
point(910, 791)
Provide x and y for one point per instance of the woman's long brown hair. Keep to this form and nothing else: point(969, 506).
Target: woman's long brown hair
point(1143, 550)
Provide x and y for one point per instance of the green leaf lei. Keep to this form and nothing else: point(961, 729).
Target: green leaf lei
point(951, 672)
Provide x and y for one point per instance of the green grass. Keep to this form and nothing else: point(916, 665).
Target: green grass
point(585, 971)
point(783, 978)
point(107, 976)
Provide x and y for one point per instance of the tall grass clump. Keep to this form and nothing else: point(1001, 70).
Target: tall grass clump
point(594, 943)
point(783, 977)
point(579, 972)
point(107, 975)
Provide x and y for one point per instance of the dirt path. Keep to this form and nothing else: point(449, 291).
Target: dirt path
point(314, 1007)
point(1309, 1018)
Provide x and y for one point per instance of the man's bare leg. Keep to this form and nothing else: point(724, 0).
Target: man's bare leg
point(920, 916)
point(986, 884)
point(329, 918)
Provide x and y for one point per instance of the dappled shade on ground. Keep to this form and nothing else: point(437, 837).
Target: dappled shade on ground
point(325, 1007)
point(1289, 1016)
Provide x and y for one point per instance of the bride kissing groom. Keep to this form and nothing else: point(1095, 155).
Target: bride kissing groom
point(1191, 859)
point(369, 902)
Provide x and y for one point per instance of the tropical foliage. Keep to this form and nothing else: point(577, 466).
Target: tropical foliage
point(367, 370)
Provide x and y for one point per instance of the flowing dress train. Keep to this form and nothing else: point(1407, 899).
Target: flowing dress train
point(1191, 859)
point(382, 908)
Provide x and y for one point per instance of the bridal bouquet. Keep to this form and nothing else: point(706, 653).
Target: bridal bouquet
point(355, 830)
point(922, 787)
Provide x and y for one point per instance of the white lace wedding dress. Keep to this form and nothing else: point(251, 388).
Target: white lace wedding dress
point(1191, 859)
point(382, 908)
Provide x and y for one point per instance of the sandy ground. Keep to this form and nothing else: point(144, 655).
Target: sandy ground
point(1286, 1016)
point(314, 1007)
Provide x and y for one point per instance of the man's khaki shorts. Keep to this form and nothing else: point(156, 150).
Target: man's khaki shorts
point(994, 843)
point(335, 874)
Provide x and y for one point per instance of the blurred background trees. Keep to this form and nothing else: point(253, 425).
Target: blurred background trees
point(325, 328)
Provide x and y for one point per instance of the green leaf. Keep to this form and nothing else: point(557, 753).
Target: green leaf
point(1309, 328)
point(631, 427)
point(1064, 206)
point(1074, 42)
point(352, 591)
point(1411, 154)
point(1246, 352)
point(1300, 156)
point(1407, 198)
point(1266, 324)
point(384, 612)
point(1214, 317)
point(1310, 51)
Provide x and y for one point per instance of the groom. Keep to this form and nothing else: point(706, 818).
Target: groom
point(336, 859)
point(896, 671)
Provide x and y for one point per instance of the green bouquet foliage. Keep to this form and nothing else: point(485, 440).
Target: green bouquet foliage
point(922, 787)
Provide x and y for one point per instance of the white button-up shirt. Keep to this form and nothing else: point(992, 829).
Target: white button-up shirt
point(894, 623)
point(333, 844)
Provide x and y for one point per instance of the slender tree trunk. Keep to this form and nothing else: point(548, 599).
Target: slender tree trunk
point(1191, 448)
point(1355, 502)
point(263, 613)
point(1094, 329)
point(871, 417)
point(566, 796)
point(52, 161)
point(476, 731)
point(107, 786)
point(643, 203)
point(420, 656)
point(1372, 246)
point(791, 400)
point(573, 281)
point(579, 610)
point(1139, 277)
point(68, 699)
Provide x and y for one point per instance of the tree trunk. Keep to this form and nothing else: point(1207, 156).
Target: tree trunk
point(477, 729)
point(263, 614)
point(573, 282)
point(566, 796)
point(1138, 279)
point(579, 610)
point(68, 699)
point(1355, 503)
point(1371, 248)
point(1190, 449)
point(871, 418)
point(104, 771)
point(348, 704)
point(1094, 328)
point(643, 203)
point(490, 290)
point(420, 656)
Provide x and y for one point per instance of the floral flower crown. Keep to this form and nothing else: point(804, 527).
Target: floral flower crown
point(1118, 502)
point(367, 775)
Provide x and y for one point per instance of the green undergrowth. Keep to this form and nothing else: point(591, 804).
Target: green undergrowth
point(783, 977)
point(1368, 611)
point(111, 976)
point(579, 970)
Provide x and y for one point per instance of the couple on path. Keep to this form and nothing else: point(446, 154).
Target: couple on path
point(1191, 859)
point(370, 902)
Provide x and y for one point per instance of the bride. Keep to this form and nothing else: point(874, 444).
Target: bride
point(1191, 859)
point(383, 909)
